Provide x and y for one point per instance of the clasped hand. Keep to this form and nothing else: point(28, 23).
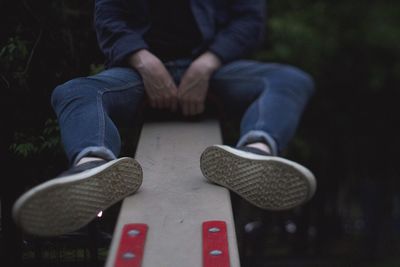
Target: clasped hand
point(161, 90)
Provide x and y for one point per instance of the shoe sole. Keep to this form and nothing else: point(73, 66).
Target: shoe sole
point(66, 204)
point(270, 183)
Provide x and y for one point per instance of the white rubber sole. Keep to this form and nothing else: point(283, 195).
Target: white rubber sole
point(270, 183)
point(66, 204)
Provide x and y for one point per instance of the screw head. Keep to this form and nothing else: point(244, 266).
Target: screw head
point(133, 232)
point(215, 252)
point(214, 230)
point(128, 256)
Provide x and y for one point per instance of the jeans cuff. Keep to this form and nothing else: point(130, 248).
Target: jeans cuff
point(95, 151)
point(259, 136)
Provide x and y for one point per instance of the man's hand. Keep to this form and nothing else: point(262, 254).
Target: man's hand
point(158, 83)
point(193, 88)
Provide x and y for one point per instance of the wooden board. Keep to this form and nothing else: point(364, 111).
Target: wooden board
point(175, 198)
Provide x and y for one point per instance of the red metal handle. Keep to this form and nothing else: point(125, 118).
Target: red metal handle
point(131, 245)
point(215, 244)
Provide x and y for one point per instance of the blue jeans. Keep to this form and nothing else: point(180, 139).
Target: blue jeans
point(89, 109)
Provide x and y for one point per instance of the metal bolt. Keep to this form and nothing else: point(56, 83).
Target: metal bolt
point(128, 256)
point(133, 232)
point(215, 252)
point(214, 230)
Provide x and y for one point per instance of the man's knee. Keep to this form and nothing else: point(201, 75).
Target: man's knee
point(70, 91)
point(297, 79)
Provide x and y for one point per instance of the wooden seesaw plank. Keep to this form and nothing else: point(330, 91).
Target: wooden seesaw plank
point(175, 198)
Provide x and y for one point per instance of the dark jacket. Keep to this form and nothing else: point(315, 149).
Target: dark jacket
point(229, 28)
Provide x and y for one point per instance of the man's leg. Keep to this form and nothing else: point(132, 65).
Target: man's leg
point(271, 98)
point(87, 110)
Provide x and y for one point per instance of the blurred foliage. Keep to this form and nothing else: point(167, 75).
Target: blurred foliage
point(347, 136)
point(31, 145)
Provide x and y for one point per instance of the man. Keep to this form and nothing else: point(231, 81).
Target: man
point(173, 53)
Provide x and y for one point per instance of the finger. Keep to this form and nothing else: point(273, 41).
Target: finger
point(149, 97)
point(157, 102)
point(192, 108)
point(199, 107)
point(152, 103)
point(186, 108)
point(173, 101)
point(162, 103)
point(173, 104)
point(165, 101)
point(180, 101)
point(170, 95)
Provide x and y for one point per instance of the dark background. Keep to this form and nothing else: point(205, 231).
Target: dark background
point(348, 135)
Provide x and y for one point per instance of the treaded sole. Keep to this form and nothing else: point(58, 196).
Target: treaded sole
point(66, 204)
point(270, 183)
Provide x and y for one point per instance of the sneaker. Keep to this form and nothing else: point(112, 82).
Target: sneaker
point(266, 181)
point(74, 198)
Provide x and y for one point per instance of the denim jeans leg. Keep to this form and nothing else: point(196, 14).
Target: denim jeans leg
point(88, 109)
point(272, 97)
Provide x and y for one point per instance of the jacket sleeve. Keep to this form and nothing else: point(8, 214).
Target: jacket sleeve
point(243, 32)
point(119, 32)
